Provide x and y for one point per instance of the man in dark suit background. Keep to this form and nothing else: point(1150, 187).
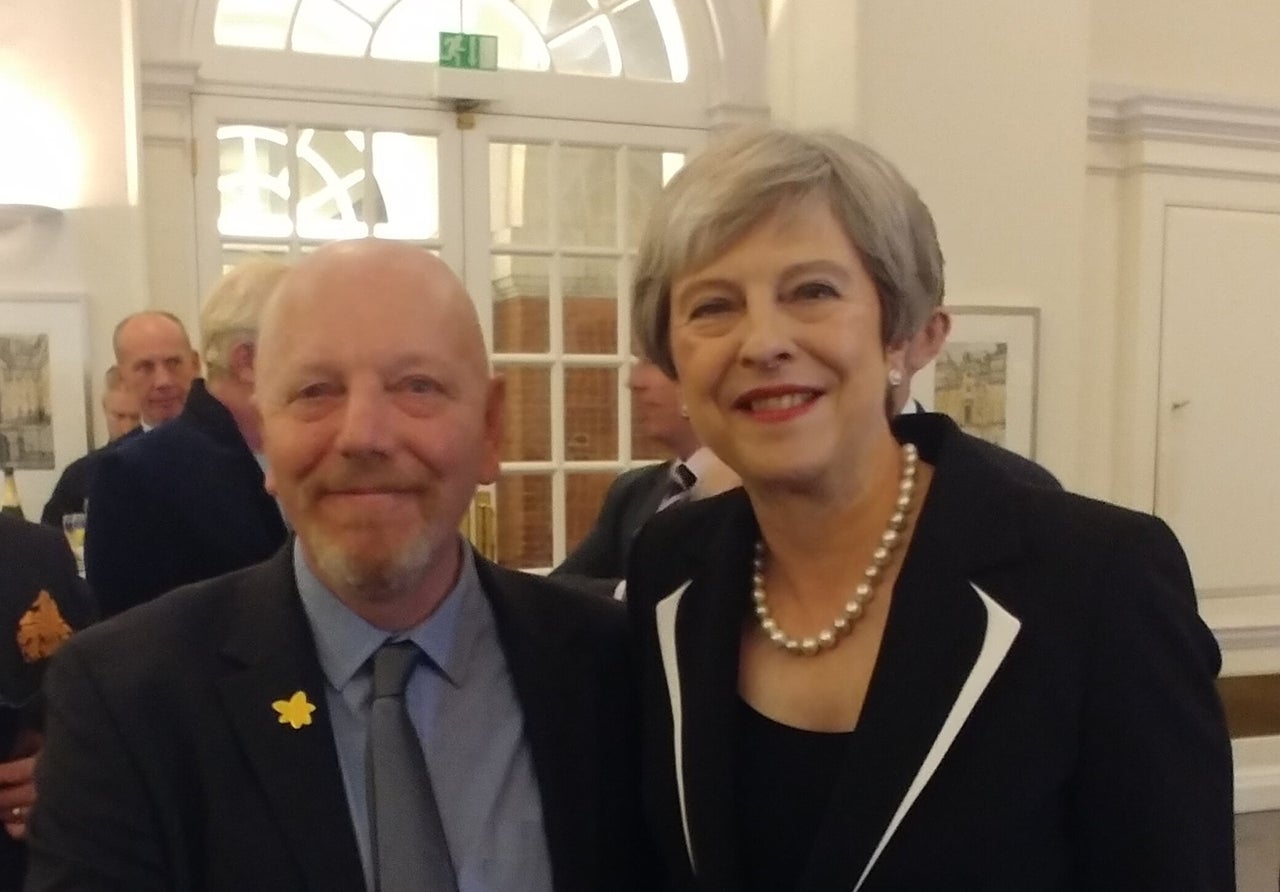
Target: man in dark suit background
point(639, 493)
point(155, 365)
point(186, 502)
point(42, 601)
point(215, 738)
point(923, 347)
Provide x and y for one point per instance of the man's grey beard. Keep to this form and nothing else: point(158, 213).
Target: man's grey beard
point(402, 574)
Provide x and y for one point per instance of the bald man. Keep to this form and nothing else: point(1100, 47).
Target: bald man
point(148, 385)
point(186, 502)
point(216, 737)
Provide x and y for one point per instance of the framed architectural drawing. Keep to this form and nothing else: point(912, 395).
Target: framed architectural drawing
point(44, 395)
point(985, 376)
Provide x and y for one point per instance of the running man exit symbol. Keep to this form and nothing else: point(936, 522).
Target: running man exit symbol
point(461, 50)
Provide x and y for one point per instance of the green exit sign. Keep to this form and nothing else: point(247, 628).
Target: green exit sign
point(461, 50)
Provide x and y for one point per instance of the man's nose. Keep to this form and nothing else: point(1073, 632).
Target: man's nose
point(366, 422)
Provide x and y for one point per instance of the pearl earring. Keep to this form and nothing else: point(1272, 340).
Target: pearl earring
point(895, 377)
point(684, 411)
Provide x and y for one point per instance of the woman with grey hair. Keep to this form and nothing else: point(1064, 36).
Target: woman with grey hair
point(884, 663)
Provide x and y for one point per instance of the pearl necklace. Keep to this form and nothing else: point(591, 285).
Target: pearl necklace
point(853, 608)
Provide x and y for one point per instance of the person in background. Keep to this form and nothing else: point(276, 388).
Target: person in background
point(120, 406)
point(216, 737)
point(186, 502)
point(921, 349)
point(154, 368)
point(636, 495)
point(885, 662)
point(157, 363)
point(42, 601)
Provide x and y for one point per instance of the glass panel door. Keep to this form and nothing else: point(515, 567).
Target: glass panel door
point(284, 178)
point(549, 259)
point(545, 242)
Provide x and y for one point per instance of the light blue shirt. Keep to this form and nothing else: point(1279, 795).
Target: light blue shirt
point(468, 722)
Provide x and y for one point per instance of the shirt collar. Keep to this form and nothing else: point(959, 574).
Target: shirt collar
point(699, 461)
point(345, 641)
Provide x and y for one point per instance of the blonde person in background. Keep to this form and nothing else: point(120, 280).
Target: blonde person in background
point(186, 501)
point(886, 662)
point(120, 406)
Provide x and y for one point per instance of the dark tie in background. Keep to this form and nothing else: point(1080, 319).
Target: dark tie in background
point(407, 839)
point(679, 486)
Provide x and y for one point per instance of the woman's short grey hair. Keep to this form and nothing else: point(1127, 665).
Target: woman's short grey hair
point(230, 313)
point(739, 181)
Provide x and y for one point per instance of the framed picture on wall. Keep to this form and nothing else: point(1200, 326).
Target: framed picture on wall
point(44, 396)
point(986, 375)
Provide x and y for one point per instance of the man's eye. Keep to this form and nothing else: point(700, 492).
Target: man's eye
point(419, 385)
point(313, 391)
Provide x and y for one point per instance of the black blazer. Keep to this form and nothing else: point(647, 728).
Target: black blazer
point(1042, 715)
point(72, 489)
point(166, 769)
point(631, 500)
point(183, 503)
point(1013, 464)
point(33, 559)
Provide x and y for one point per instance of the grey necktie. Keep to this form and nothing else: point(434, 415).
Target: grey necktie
point(407, 839)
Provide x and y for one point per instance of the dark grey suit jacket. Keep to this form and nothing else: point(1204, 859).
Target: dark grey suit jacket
point(1042, 714)
point(166, 768)
point(632, 499)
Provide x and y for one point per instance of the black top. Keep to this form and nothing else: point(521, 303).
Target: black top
point(783, 783)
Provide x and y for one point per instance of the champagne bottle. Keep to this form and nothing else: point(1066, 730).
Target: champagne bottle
point(9, 502)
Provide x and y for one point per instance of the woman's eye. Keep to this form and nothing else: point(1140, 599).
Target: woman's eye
point(816, 291)
point(708, 307)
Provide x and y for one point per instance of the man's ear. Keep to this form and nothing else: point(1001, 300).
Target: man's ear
point(241, 362)
point(928, 341)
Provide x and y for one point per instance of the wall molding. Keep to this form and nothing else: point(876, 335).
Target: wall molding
point(1257, 773)
point(1117, 114)
point(169, 83)
point(1136, 131)
point(1246, 623)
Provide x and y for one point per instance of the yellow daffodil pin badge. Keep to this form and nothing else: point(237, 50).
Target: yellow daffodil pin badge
point(296, 711)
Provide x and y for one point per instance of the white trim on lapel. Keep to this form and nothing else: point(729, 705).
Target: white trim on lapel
point(665, 616)
point(1002, 628)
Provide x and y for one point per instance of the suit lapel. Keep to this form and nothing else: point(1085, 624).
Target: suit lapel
point(272, 657)
point(546, 654)
point(699, 631)
point(921, 696)
point(644, 503)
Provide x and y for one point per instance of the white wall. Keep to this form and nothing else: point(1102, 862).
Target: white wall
point(67, 80)
point(1220, 50)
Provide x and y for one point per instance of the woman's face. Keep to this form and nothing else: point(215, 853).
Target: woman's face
point(777, 345)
